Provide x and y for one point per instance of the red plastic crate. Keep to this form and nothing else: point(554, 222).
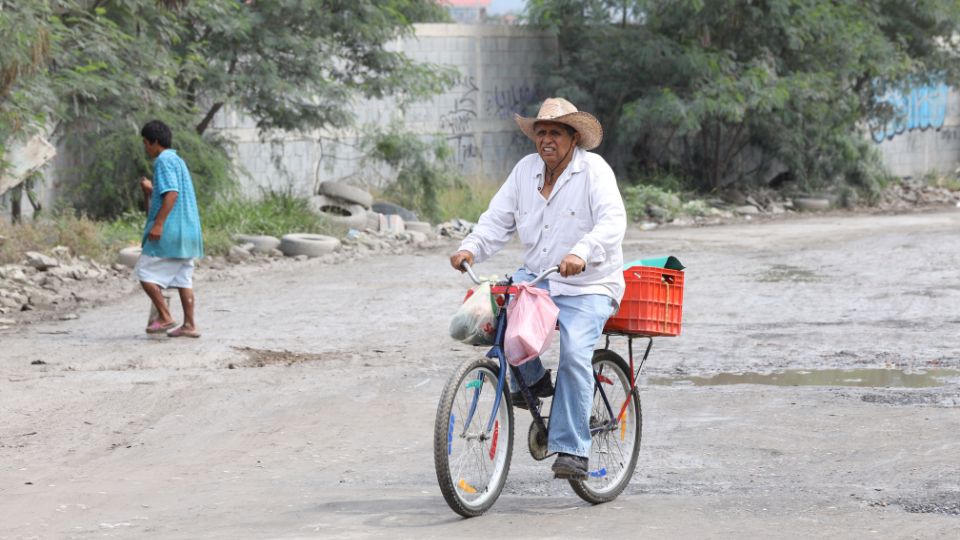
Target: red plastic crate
point(652, 304)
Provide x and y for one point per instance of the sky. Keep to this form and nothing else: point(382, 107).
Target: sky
point(498, 7)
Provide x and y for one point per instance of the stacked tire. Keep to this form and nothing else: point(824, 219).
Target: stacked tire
point(342, 204)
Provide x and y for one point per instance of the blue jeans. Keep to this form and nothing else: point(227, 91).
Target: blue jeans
point(581, 324)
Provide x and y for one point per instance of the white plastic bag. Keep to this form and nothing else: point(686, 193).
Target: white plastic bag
point(531, 324)
point(475, 323)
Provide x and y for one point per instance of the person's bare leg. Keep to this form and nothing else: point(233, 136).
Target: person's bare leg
point(156, 296)
point(187, 301)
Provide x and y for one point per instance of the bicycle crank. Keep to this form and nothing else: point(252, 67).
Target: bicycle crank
point(537, 441)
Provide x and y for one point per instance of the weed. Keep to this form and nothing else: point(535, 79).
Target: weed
point(467, 199)
point(652, 202)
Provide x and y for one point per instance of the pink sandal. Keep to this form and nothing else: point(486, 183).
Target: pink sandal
point(181, 332)
point(156, 327)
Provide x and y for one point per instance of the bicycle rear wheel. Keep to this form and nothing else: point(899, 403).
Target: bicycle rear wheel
point(472, 457)
point(616, 441)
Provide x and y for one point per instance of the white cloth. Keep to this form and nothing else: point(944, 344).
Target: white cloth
point(584, 215)
point(167, 273)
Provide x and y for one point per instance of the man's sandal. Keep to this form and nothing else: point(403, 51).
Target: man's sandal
point(182, 332)
point(156, 327)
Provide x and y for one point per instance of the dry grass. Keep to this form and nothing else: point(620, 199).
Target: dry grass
point(97, 240)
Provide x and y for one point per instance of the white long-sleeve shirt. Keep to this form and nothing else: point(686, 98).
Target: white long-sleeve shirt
point(584, 215)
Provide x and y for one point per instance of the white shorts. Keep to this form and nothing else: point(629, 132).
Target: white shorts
point(167, 273)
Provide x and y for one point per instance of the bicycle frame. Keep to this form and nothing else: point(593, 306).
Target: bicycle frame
point(496, 351)
point(634, 375)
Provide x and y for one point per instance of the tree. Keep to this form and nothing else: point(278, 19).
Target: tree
point(102, 67)
point(300, 64)
point(691, 87)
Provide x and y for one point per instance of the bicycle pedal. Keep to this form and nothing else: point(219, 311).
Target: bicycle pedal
point(522, 404)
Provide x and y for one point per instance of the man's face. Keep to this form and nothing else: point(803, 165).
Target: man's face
point(554, 142)
point(152, 149)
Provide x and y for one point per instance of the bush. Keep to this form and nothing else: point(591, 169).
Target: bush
point(275, 214)
point(424, 169)
point(652, 202)
point(109, 185)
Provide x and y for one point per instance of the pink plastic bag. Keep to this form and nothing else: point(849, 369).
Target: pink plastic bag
point(532, 323)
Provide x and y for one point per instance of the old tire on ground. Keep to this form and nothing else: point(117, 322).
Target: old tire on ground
point(387, 209)
point(346, 193)
point(811, 204)
point(311, 245)
point(261, 243)
point(128, 256)
point(352, 216)
point(419, 226)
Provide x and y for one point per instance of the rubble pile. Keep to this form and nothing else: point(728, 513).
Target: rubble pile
point(911, 193)
point(56, 282)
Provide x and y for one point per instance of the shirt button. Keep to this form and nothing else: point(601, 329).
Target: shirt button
point(544, 250)
point(546, 226)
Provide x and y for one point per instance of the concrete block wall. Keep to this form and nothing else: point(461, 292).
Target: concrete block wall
point(927, 138)
point(497, 78)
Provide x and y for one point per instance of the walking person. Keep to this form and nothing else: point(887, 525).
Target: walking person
point(564, 204)
point(172, 237)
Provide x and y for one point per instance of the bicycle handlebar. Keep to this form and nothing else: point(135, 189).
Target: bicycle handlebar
point(543, 275)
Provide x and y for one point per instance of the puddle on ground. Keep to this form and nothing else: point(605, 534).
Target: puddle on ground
point(873, 378)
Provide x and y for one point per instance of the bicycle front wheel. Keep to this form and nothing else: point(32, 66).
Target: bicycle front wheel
point(470, 452)
point(615, 441)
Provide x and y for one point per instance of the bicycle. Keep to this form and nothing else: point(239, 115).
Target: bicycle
point(473, 432)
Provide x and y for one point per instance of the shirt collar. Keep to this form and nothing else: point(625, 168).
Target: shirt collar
point(577, 162)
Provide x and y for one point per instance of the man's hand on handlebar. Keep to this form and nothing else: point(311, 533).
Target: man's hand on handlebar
point(572, 265)
point(456, 260)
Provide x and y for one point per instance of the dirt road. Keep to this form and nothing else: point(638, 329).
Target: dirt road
point(306, 410)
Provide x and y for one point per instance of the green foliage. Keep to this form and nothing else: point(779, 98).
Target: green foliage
point(274, 214)
point(300, 64)
point(86, 67)
point(110, 185)
point(466, 200)
point(424, 169)
point(644, 201)
point(719, 90)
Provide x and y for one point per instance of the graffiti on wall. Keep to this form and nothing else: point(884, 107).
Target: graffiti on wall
point(922, 108)
point(504, 101)
point(458, 122)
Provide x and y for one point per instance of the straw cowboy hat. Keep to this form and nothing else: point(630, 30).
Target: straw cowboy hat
point(562, 111)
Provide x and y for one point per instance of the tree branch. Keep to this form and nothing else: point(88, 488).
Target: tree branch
point(205, 123)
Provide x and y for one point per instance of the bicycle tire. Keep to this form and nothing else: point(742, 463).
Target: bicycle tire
point(613, 453)
point(457, 448)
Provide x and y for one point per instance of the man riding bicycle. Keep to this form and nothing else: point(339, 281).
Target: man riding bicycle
point(564, 203)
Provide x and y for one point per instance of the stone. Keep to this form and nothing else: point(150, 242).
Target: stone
point(76, 271)
point(657, 212)
point(40, 261)
point(41, 300)
point(51, 282)
point(69, 317)
point(61, 253)
point(417, 237)
point(8, 322)
point(238, 254)
point(12, 273)
point(746, 210)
